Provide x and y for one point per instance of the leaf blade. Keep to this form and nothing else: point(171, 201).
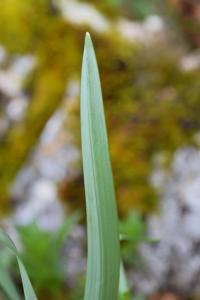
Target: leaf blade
point(103, 238)
point(124, 289)
point(7, 285)
point(27, 287)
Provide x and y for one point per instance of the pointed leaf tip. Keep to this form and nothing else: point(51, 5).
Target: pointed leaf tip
point(88, 40)
point(87, 35)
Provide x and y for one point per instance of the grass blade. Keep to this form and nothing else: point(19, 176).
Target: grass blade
point(27, 287)
point(7, 285)
point(124, 290)
point(103, 238)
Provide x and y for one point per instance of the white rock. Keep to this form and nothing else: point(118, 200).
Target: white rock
point(144, 32)
point(175, 261)
point(16, 108)
point(154, 24)
point(133, 31)
point(190, 61)
point(82, 13)
point(11, 80)
point(42, 206)
point(52, 161)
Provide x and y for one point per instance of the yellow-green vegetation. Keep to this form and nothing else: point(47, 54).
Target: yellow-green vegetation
point(151, 104)
point(27, 27)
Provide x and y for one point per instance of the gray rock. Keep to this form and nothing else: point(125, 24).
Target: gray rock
point(174, 262)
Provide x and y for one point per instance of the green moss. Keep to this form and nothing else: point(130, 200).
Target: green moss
point(151, 106)
point(48, 37)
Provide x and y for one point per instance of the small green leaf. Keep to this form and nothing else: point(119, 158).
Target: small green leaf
point(28, 290)
point(124, 289)
point(133, 227)
point(102, 221)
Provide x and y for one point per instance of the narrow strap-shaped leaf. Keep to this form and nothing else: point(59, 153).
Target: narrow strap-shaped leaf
point(102, 222)
point(7, 285)
point(124, 289)
point(27, 287)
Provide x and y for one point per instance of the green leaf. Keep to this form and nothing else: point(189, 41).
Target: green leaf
point(143, 8)
point(102, 221)
point(27, 287)
point(124, 289)
point(41, 253)
point(7, 285)
point(133, 228)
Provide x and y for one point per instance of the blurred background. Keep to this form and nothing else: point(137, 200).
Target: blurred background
point(149, 59)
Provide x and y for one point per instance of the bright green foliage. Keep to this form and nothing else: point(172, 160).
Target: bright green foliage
point(103, 239)
point(42, 256)
point(132, 233)
point(133, 227)
point(41, 253)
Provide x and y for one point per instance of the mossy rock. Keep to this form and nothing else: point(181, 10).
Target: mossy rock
point(151, 104)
